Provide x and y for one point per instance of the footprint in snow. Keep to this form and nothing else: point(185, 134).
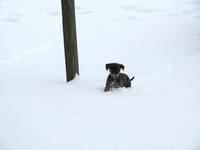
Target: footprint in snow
point(132, 18)
point(84, 11)
point(175, 13)
point(148, 11)
point(17, 17)
point(138, 9)
point(120, 20)
point(154, 76)
point(29, 53)
point(79, 8)
point(131, 7)
point(51, 13)
point(11, 19)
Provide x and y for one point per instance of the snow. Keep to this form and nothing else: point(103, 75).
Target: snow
point(157, 41)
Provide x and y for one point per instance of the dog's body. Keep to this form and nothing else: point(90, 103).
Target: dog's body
point(116, 79)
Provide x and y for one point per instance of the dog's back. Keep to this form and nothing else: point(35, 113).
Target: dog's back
point(124, 80)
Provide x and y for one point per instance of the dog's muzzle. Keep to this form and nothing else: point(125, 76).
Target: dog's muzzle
point(114, 75)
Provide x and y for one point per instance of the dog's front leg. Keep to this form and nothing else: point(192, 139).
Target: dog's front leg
point(107, 87)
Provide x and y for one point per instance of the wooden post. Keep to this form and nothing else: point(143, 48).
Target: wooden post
point(70, 39)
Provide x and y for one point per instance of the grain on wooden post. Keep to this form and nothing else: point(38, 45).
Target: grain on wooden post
point(70, 39)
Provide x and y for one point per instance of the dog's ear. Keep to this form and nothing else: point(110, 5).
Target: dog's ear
point(122, 66)
point(107, 66)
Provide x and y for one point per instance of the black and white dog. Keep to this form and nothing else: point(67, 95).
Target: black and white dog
point(116, 79)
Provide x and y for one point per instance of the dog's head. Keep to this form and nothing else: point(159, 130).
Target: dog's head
point(114, 68)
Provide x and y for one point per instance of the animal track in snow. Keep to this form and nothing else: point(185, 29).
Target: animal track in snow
point(86, 12)
point(79, 8)
point(153, 76)
point(47, 13)
point(129, 7)
point(132, 18)
point(147, 10)
point(118, 20)
point(51, 13)
point(173, 13)
point(11, 19)
point(139, 9)
point(19, 16)
point(29, 52)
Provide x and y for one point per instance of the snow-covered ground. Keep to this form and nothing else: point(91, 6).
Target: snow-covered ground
point(157, 41)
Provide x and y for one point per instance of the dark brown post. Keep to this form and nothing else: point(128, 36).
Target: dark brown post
point(70, 39)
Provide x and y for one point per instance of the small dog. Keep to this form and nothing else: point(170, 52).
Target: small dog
point(116, 79)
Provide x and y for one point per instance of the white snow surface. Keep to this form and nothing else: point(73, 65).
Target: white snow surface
point(158, 41)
